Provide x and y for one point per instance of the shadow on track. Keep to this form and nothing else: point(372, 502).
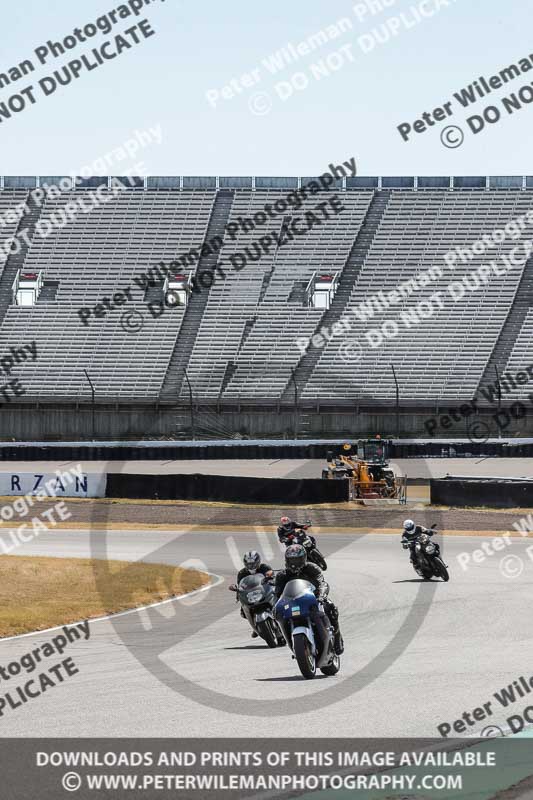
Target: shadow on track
point(288, 678)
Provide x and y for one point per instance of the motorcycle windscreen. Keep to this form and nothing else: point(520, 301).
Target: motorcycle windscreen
point(251, 582)
point(297, 588)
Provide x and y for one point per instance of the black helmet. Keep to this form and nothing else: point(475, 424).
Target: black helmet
point(295, 558)
point(252, 560)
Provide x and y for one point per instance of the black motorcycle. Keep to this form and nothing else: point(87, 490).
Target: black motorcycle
point(313, 553)
point(256, 596)
point(429, 563)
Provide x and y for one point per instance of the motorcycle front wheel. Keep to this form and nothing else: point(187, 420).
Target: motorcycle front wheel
point(265, 629)
point(423, 570)
point(304, 656)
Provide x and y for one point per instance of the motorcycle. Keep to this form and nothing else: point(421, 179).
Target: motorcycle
point(313, 553)
point(307, 629)
point(429, 563)
point(256, 596)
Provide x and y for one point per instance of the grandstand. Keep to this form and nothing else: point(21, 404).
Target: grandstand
point(232, 350)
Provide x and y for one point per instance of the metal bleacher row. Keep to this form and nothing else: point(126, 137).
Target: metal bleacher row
point(444, 357)
point(252, 319)
point(9, 200)
point(95, 255)
point(245, 346)
point(521, 356)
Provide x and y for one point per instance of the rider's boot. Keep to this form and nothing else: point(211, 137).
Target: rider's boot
point(338, 643)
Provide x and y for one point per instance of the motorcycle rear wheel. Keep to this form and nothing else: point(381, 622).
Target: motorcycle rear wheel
point(443, 572)
point(317, 558)
point(304, 656)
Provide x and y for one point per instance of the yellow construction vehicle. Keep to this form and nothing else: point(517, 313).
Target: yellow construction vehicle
point(367, 468)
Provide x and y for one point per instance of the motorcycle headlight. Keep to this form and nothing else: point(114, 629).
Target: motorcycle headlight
point(430, 548)
point(418, 547)
point(255, 596)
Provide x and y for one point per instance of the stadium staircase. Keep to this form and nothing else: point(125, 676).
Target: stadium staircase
point(348, 278)
point(154, 292)
point(194, 312)
point(48, 292)
point(523, 302)
point(231, 369)
point(297, 294)
point(15, 261)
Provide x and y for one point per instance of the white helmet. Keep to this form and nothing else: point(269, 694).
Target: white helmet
point(408, 525)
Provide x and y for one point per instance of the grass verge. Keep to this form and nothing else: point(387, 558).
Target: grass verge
point(38, 593)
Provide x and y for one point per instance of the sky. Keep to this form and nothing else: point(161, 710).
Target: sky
point(362, 69)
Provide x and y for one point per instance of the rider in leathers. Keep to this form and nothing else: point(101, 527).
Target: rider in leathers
point(297, 566)
point(410, 534)
point(252, 564)
point(289, 527)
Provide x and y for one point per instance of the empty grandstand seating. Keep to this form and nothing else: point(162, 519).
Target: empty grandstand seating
point(264, 351)
point(520, 357)
point(9, 199)
point(95, 255)
point(244, 348)
point(444, 357)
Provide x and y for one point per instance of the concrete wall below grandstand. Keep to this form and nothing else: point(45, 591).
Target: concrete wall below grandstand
point(75, 422)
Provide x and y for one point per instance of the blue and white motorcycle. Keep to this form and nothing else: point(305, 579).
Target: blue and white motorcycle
point(307, 629)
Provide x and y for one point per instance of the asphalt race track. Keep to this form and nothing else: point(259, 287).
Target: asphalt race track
point(417, 654)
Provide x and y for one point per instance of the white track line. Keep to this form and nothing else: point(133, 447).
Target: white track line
point(218, 580)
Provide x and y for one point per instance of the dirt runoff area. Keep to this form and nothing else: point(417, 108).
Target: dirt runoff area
point(176, 515)
point(37, 593)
